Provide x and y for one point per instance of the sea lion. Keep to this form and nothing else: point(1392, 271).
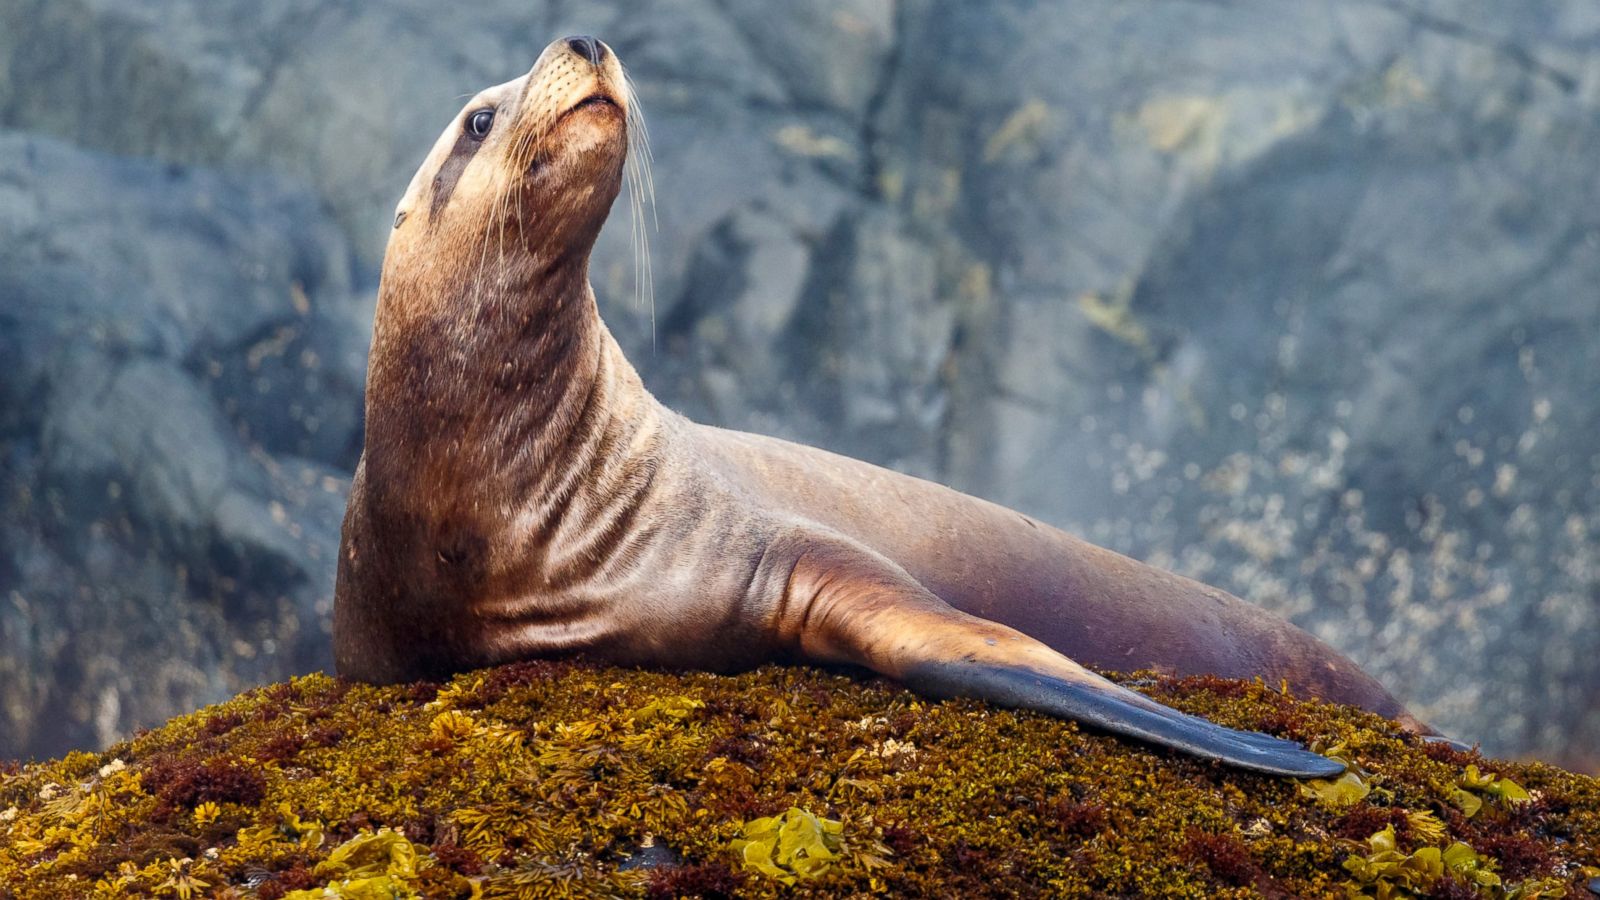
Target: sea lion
point(522, 494)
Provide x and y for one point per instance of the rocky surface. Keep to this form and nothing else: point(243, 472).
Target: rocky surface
point(1301, 301)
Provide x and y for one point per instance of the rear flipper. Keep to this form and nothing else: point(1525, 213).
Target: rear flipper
point(1094, 701)
point(845, 604)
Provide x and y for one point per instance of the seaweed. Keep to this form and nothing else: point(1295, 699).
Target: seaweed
point(551, 779)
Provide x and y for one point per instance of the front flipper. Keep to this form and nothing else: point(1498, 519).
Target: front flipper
point(846, 604)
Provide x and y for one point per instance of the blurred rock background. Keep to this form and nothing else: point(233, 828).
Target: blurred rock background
point(1300, 299)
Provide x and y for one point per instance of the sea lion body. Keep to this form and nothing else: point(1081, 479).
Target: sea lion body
point(522, 494)
point(1097, 606)
point(685, 588)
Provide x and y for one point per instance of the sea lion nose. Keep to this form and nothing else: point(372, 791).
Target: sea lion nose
point(587, 47)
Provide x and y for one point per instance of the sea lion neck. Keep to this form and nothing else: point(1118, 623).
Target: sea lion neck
point(486, 390)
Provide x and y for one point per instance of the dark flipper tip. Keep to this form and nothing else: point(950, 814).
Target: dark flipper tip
point(1120, 711)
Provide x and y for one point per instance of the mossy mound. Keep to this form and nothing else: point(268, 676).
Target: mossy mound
point(565, 779)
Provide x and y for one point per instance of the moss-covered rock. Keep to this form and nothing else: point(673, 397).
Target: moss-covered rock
point(566, 779)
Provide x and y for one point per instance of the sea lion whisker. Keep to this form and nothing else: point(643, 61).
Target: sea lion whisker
point(483, 251)
point(503, 197)
point(638, 126)
point(641, 190)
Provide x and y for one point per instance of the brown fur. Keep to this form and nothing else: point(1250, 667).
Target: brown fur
point(522, 494)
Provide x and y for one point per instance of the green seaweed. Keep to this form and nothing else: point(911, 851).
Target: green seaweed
point(793, 846)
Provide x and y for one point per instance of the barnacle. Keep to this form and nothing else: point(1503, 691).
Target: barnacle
point(565, 779)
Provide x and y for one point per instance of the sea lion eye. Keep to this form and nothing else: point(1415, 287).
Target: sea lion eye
point(478, 123)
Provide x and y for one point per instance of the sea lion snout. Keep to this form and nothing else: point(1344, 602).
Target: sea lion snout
point(587, 47)
point(568, 72)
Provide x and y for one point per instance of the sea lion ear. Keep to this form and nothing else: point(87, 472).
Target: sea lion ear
point(857, 607)
point(399, 216)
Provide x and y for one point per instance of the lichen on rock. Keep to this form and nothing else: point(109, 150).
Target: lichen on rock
point(553, 779)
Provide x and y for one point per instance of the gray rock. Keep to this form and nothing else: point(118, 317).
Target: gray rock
point(157, 555)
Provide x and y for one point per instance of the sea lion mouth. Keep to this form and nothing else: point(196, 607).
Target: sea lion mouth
point(593, 101)
point(596, 100)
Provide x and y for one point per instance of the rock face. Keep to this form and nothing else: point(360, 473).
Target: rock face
point(181, 403)
point(1301, 301)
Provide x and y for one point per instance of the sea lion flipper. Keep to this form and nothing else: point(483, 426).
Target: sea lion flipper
point(848, 604)
point(1115, 709)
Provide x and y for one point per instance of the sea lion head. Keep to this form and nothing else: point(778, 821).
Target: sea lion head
point(524, 175)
